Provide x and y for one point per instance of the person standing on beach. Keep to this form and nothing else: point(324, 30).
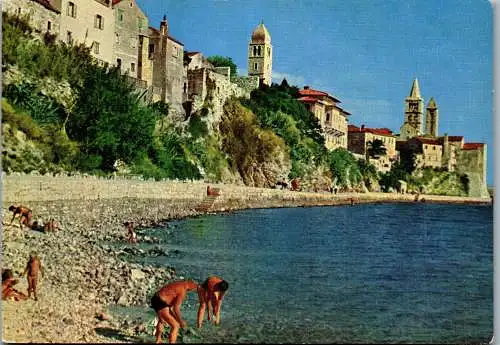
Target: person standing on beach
point(34, 265)
point(211, 293)
point(167, 305)
point(132, 236)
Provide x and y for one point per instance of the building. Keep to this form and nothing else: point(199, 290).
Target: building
point(169, 68)
point(42, 14)
point(428, 152)
point(90, 22)
point(358, 139)
point(432, 118)
point(414, 109)
point(260, 55)
point(131, 42)
point(332, 118)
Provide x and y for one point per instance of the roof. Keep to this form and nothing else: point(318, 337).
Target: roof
point(47, 5)
point(432, 104)
point(376, 131)
point(115, 2)
point(428, 141)
point(169, 37)
point(308, 99)
point(192, 53)
point(261, 35)
point(455, 138)
point(472, 146)
point(415, 90)
point(316, 93)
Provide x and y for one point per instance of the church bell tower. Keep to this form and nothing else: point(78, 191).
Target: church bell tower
point(260, 55)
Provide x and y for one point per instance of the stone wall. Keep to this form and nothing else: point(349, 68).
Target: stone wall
point(224, 71)
point(473, 163)
point(39, 16)
point(246, 83)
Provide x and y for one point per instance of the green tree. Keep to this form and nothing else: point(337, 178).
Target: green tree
point(375, 149)
point(221, 61)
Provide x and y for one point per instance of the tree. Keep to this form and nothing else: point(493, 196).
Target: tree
point(376, 149)
point(221, 61)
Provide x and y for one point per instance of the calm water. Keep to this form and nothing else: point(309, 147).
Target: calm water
point(414, 273)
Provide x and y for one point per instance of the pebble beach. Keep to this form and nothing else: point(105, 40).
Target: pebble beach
point(84, 273)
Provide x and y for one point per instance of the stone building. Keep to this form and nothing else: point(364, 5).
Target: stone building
point(169, 68)
point(332, 118)
point(432, 119)
point(428, 152)
point(42, 14)
point(414, 109)
point(260, 55)
point(131, 42)
point(90, 22)
point(358, 139)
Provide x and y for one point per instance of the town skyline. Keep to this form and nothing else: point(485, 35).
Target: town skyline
point(365, 54)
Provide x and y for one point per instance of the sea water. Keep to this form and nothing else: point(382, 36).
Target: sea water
point(373, 273)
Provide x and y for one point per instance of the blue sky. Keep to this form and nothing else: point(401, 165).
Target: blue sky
point(366, 53)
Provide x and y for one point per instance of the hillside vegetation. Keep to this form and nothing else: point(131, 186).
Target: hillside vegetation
point(62, 112)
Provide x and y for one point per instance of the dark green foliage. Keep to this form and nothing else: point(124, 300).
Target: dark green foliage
point(276, 108)
point(109, 119)
point(344, 167)
point(221, 61)
point(390, 179)
point(197, 127)
point(376, 149)
point(42, 109)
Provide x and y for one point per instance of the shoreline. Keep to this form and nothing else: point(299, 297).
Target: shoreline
point(84, 268)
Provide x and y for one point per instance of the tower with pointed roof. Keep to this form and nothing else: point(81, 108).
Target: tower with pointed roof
point(260, 55)
point(431, 118)
point(414, 111)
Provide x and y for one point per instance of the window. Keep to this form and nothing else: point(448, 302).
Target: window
point(96, 47)
point(49, 26)
point(254, 50)
point(71, 10)
point(18, 11)
point(99, 22)
point(119, 63)
point(255, 66)
point(132, 67)
point(268, 51)
point(120, 15)
point(117, 38)
point(151, 51)
point(259, 52)
point(69, 37)
point(175, 51)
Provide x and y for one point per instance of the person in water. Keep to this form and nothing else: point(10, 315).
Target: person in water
point(211, 293)
point(167, 305)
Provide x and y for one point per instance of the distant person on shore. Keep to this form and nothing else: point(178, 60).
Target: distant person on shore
point(352, 201)
point(50, 226)
point(211, 293)
point(213, 191)
point(295, 184)
point(33, 266)
point(25, 215)
point(8, 291)
point(131, 235)
point(167, 305)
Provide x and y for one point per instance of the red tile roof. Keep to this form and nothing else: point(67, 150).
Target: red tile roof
point(307, 99)
point(376, 131)
point(472, 146)
point(116, 1)
point(428, 141)
point(47, 5)
point(316, 93)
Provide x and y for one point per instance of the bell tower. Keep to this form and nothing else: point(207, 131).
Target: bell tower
point(260, 55)
point(432, 118)
point(414, 111)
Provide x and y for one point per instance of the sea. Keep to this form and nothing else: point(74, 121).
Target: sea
point(367, 273)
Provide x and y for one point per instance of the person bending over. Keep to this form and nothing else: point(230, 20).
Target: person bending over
point(8, 291)
point(167, 305)
point(211, 293)
point(25, 215)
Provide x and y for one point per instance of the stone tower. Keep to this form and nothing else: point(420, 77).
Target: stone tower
point(432, 118)
point(414, 111)
point(260, 55)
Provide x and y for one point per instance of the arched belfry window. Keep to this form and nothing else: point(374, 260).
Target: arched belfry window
point(254, 50)
point(259, 52)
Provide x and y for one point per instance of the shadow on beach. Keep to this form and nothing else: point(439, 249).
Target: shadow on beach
point(117, 335)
